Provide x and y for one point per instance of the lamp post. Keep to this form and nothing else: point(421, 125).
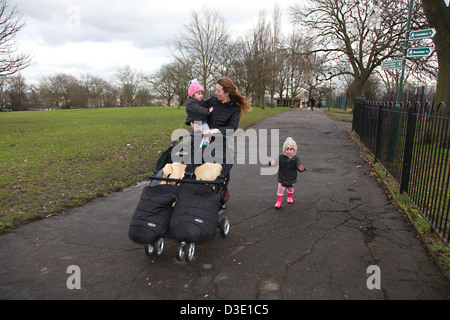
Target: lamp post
point(329, 101)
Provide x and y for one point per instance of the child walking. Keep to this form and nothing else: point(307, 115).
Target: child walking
point(288, 165)
point(197, 110)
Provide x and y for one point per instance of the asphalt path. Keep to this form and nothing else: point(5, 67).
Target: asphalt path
point(341, 239)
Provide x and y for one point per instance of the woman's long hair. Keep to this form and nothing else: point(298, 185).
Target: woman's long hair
point(230, 88)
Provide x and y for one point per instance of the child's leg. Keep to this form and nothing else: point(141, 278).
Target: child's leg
point(281, 189)
point(280, 193)
point(206, 139)
point(290, 195)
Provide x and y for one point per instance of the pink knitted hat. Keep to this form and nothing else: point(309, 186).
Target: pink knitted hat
point(194, 88)
point(290, 143)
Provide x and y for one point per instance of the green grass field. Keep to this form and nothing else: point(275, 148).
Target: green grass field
point(339, 114)
point(51, 161)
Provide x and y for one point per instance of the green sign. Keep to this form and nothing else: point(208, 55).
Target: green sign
point(422, 34)
point(419, 52)
point(389, 65)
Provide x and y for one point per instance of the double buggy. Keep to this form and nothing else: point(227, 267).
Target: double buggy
point(181, 202)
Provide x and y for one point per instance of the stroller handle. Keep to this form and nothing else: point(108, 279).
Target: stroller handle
point(221, 180)
point(180, 138)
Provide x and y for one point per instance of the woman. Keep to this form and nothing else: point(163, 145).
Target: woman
point(229, 106)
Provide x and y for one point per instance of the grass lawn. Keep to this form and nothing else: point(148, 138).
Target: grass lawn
point(51, 161)
point(339, 114)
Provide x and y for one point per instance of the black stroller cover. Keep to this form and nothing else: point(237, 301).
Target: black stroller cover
point(151, 218)
point(194, 216)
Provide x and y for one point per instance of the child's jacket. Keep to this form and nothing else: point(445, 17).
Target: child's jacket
point(287, 169)
point(196, 110)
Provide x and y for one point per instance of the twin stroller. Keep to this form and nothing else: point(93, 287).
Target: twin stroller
point(182, 202)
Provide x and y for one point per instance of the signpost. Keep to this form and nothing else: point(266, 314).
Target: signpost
point(405, 48)
point(389, 65)
point(422, 34)
point(419, 52)
point(412, 52)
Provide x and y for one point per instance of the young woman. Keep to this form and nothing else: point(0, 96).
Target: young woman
point(229, 106)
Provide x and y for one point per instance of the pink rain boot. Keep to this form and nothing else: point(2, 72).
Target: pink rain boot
point(279, 201)
point(290, 197)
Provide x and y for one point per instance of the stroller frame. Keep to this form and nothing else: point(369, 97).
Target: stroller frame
point(186, 250)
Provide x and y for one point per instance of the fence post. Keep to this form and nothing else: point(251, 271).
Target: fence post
point(409, 142)
point(362, 119)
point(357, 115)
point(379, 132)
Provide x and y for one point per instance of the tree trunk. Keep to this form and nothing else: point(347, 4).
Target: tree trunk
point(438, 16)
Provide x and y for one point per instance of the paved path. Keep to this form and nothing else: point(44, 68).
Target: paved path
point(320, 247)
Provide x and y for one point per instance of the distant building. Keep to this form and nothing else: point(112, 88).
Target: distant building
point(298, 101)
point(289, 102)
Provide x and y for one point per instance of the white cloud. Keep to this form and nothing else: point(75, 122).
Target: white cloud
point(99, 36)
point(97, 58)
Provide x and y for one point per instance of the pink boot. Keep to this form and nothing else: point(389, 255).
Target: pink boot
point(290, 197)
point(279, 201)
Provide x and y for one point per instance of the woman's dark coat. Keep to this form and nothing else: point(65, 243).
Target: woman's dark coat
point(224, 116)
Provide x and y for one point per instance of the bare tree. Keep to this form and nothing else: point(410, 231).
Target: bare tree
point(17, 89)
point(61, 90)
point(299, 67)
point(275, 59)
point(227, 57)
point(10, 24)
point(240, 70)
point(171, 80)
point(358, 34)
point(253, 63)
point(199, 45)
point(35, 100)
point(280, 75)
point(180, 80)
point(260, 53)
point(128, 81)
point(96, 89)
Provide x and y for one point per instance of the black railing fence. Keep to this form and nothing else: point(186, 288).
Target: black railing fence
point(412, 143)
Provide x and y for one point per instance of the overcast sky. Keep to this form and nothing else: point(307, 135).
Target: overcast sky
point(100, 36)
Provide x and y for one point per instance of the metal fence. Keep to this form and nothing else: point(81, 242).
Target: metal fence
point(412, 143)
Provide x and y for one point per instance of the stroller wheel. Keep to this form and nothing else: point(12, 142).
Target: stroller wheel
point(149, 249)
point(224, 227)
point(159, 246)
point(189, 251)
point(180, 253)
